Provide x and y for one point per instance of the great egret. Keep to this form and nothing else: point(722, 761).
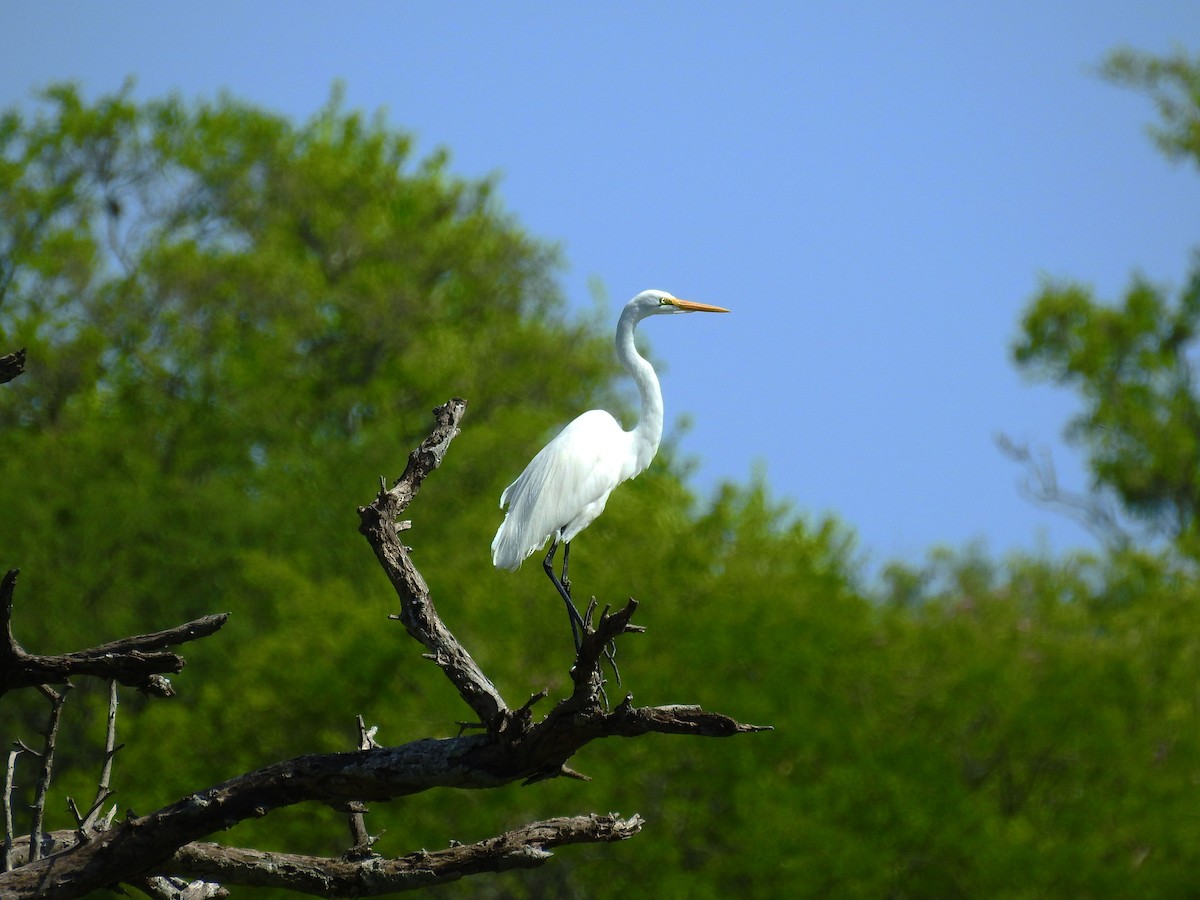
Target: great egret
point(564, 488)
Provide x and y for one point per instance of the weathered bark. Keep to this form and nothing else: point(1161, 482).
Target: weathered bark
point(201, 866)
point(522, 848)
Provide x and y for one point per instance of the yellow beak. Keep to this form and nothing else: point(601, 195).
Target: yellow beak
point(691, 306)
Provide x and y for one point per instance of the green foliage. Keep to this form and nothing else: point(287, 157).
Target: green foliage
point(236, 324)
point(1174, 84)
point(1131, 362)
point(1130, 365)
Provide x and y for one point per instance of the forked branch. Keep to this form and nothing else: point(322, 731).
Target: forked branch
point(139, 661)
point(378, 523)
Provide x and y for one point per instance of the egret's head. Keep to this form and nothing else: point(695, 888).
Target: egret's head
point(653, 303)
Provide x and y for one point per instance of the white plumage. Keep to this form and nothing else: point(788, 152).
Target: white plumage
point(565, 487)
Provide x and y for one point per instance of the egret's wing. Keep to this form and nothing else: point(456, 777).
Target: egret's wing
point(563, 488)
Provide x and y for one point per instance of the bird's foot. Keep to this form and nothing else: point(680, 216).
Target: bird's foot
point(610, 649)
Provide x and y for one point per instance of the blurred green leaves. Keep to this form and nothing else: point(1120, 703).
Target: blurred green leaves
point(1132, 362)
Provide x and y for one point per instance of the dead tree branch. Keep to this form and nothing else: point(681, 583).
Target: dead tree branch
point(513, 730)
point(9, 784)
point(57, 699)
point(89, 823)
point(138, 661)
point(522, 848)
point(12, 365)
point(418, 615)
point(511, 747)
point(1094, 512)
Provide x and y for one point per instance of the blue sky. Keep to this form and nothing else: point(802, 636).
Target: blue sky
point(875, 190)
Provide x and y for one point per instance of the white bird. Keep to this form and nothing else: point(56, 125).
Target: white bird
point(564, 488)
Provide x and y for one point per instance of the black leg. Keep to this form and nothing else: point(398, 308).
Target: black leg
point(576, 619)
point(566, 582)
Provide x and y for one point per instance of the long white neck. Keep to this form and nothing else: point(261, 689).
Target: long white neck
point(647, 434)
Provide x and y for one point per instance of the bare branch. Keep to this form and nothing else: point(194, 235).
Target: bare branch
point(418, 615)
point(12, 365)
point(103, 788)
point(137, 661)
point(1041, 486)
point(9, 783)
point(522, 848)
point(43, 786)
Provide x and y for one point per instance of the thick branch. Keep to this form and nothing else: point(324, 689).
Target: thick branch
point(137, 661)
point(522, 848)
point(143, 844)
point(525, 847)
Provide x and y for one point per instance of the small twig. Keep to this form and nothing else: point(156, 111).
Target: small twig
point(103, 789)
point(9, 783)
point(73, 809)
point(534, 698)
point(366, 736)
point(43, 786)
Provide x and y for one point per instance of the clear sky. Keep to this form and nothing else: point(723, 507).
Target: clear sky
point(875, 190)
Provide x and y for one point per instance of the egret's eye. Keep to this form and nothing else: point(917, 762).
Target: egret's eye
point(664, 301)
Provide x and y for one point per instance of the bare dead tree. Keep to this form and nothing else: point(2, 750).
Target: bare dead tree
point(162, 853)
